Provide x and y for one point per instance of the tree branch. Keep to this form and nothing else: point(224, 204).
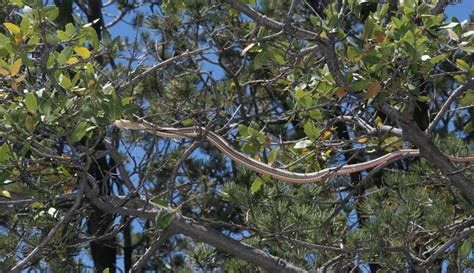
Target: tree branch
point(456, 93)
point(137, 267)
point(28, 259)
point(186, 226)
point(159, 66)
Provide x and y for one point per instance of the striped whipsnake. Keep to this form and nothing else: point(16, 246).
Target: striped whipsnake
point(265, 169)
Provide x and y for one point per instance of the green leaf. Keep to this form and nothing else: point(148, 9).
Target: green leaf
point(272, 156)
point(161, 202)
point(465, 249)
point(79, 132)
point(62, 35)
point(52, 12)
point(467, 99)
point(4, 152)
point(129, 109)
point(187, 122)
point(363, 84)
point(310, 130)
point(369, 28)
point(243, 130)
point(107, 270)
point(316, 114)
point(4, 40)
point(25, 25)
point(115, 106)
point(70, 30)
point(65, 55)
point(31, 103)
point(65, 81)
point(315, 21)
point(438, 58)
point(256, 184)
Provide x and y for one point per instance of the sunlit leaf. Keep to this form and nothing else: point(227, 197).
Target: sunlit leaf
point(5, 194)
point(83, 52)
point(256, 184)
point(31, 103)
point(16, 67)
point(12, 27)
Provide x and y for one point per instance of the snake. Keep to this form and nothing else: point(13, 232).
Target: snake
point(283, 175)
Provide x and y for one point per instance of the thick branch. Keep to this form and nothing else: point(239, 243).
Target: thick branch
point(188, 227)
point(430, 151)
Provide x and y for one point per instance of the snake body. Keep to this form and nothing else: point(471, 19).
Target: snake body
point(265, 169)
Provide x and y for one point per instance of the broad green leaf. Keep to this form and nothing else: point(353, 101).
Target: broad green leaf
point(70, 30)
point(64, 81)
point(272, 156)
point(4, 40)
point(115, 106)
point(107, 270)
point(62, 35)
point(52, 12)
point(362, 84)
point(438, 58)
point(467, 99)
point(354, 54)
point(65, 55)
point(311, 131)
point(4, 153)
point(315, 21)
point(256, 184)
point(25, 25)
point(31, 103)
point(243, 130)
point(316, 114)
point(79, 132)
point(299, 93)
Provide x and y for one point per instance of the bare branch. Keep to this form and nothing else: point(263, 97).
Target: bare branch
point(137, 267)
point(456, 93)
point(159, 66)
point(28, 259)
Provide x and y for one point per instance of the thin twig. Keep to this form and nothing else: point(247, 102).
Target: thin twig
point(27, 260)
